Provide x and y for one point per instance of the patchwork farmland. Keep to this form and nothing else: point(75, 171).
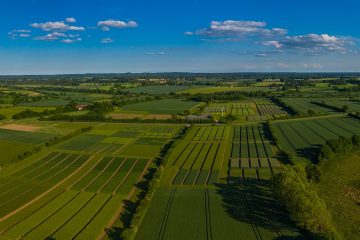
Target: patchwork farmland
point(75, 188)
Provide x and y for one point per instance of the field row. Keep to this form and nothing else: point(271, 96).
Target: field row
point(77, 211)
point(302, 138)
point(247, 211)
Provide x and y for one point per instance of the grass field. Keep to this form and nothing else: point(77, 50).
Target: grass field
point(23, 140)
point(164, 106)
point(302, 137)
point(304, 105)
point(9, 112)
point(340, 187)
point(161, 89)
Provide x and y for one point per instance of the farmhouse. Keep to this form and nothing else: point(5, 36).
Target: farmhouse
point(80, 107)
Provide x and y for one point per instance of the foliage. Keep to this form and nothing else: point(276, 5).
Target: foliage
point(302, 201)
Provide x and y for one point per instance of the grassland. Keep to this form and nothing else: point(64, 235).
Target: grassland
point(340, 187)
point(164, 106)
point(162, 89)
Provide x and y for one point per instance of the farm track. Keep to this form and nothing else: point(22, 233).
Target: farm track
point(207, 215)
point(166, 215)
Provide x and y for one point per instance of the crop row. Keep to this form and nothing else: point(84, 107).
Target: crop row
point(33, 186)
point(301, 137)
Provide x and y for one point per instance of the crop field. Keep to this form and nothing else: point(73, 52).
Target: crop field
point(46, 103)
point(120, 141)
point(164, 106)
point(198, 159)
point(251, 149)
point(302, 138)
point(269, 109)
point(217, 109)
point(161, 89)
point(353, 106)
point(73, 190)
point(304, 105)
point(23, 140)
point(245, 211)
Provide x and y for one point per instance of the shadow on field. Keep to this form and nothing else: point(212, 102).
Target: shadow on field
point(310, 153)
point(252, 201)
point(129, 207)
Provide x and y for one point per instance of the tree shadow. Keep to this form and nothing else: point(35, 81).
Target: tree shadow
point(253, 202)
point(310, 153)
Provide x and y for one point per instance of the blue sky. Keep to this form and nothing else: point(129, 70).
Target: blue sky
point(50, 37)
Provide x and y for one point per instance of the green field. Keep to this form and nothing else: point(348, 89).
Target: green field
point(343, 177)
point(164, 106)
point(302, 137)
point(162, 89)
point(9, 112)
point(75, 188)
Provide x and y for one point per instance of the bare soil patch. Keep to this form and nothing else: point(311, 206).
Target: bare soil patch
point(20, 127)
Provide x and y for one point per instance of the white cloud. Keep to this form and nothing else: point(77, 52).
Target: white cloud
point(107, 40)
point(70, 20)
point(24, 35)
point(239, 29)
point(68, 40)
point(311, 43)
point(189, 33)
point(51, 36)
point(106, 25)
point(56, 26)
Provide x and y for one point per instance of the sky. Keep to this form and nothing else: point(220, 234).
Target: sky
point(116, 36)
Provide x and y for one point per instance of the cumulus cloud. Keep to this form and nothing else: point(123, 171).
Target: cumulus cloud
point(68, 40)
point(238, 29)
point(107, 40)
point(70, 20)
point(107, 24)
point(51, 36)
point(56, 26)
point(311, 43)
